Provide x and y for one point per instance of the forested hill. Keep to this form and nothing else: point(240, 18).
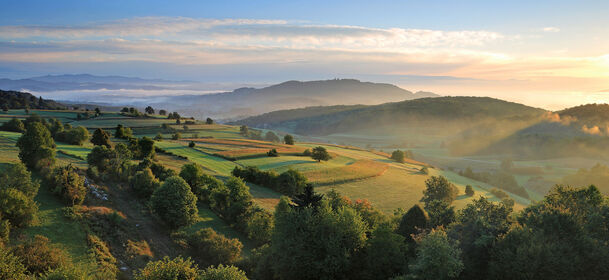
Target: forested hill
point(291, 94)
point(590, 114)
point(22, 100)
point(424, 111)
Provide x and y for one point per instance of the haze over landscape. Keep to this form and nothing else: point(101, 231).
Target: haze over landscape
point(282, 140)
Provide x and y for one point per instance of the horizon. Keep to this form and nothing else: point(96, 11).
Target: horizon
point(548, 54)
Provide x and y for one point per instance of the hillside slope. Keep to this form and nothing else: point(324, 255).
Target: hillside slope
point(21, 100)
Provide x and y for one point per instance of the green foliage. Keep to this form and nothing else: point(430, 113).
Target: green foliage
point(14, 125)
point(499, 179)
point(209, 121)
point(149, 110)
point(440, 213)
point(36, 147)
point(385, 254)
point(145, 148)
point(469, 190)
point(11, 266)
point(175, 203)
point(222, 272)
point(211, 248)
point(144, 183)
point(68, 184)
point(306, 153)
point(191, 144)
point(437, 258)
point(176, 136)
point(412, 222)
point(398, 156)
point(122, 132)
point(308, 198)
point(106, 263)
point(18, 177)
point(158, 137)
point(320, 153)
point(74, 136)
point(291, 182)
point(271, 137)
point(259, 227)
point(39, 255)
point(17, 208)
point(288, 139)
point(101, 138)
point(5, 232)
point(168, 269)
point(477, 228)
point(272, 153)
point(439, 188)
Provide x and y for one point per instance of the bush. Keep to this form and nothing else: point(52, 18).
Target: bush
point(101, 138)
point(176, 136)
point(11, 266)
point(65, 273)
point(290, 182)
point(191, 144)
point(106, 263)
point(398, 156)
point(260, 227)
point(320, 153)
point(469, 191)
point(175, 203)
point(272, 153)
point(439, 188)
point(74, 136)
point(144, 183)
point(18, 177)
point(212, 248)
point(67, 183)
point(288, 139)
point(499, 193)
point(223, 273)
point(39, 256)
point(158, 137)
point(17, 208)
point(306, 153)
point(168, 269)
point(14, 125)
point(36, 146)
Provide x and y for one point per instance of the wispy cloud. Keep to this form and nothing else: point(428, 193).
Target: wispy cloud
point(550, 29)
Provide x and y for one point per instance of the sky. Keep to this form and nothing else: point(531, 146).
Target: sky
point(550, 54)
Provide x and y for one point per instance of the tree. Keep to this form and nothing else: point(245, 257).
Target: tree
point(70, 186)
point(191, 144)
point(209, 121)
point(11, 266)
point(176, 136)
point(272, 153)
point(17, 208)
point(101, 138)
point(291, 182)
point(36, 147)
point(308, 198)
point(469, 191)
point(288, 139)
point(398, 156)
point(412, 222)
point(212, 248)
point(243, 130)
point(14, 125)
point(168, 269)
point(146, 147)
point(162, 112)
point(144, 183)
point(320, 153)
point(39, 255)
point(271, 137)
point(385, 254)
point(97, 111)
point(175, 203)
point(193, 174)
point(437, 258)
point(439, 188)
point(440, 213)
point(259, 227)
point(222, 272)
point(125, 110)
point(19, 178)
point(149, 110)
point(315, 244)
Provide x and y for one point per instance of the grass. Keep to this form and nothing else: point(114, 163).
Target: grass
point(264, 197)
point(360, 169)
point(215, 164)
point(207, 218)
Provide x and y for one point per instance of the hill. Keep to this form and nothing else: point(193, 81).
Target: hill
point(21, 100)
point(386, 118)
point(289, 95)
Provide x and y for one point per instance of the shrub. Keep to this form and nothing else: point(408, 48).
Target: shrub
point(212, 248)
point(288, 139)
point(260, 227)
point(158, 137)
point(424, 170)
point(14, 125)
point(439, 188)
point(11, 266)
point(176, 136)
point(36, 146)
point(191, 144)
point(144, 183)
point(65, 273)
point(101, 138)
point(469, 191)
point(39, 256)
point(307, 153)
point(290, 182)
point(165, 269)
point(17, 208)
point(272, 153)
point(105, 261)
point(75, 136)
point(18, 177)
point(222, 272)
point(271, 137)
point(175, 203)
point(66, 183)
point(398, 156)
point(320, 153)
point(499, 193)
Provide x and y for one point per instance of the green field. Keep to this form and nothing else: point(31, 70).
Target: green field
point(217, 165)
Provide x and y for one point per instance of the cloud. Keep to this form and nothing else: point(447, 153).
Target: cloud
point(551, 29)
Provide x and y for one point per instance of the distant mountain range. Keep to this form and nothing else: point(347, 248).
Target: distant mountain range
point(239, 103)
